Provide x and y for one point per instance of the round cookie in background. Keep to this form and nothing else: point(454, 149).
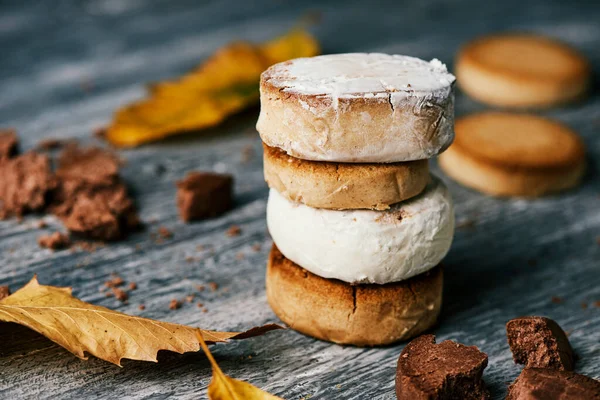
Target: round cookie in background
point(365, 246)
point(522, 71)
point(343, 186)
point(360, 315)
point(358, 107)
point(507, 154)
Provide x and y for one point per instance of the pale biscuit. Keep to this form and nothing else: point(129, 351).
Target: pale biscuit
point(361, 315)
point(365, 246)
point(342, 185)
point(357, 108)
point(519, 70)
point(507, 154)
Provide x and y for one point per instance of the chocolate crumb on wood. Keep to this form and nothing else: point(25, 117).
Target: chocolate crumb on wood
point(25, 184)
point(54, 241)
point(4, 292)
point(234, 230)
point(539, 342)
point(91, 198)
point(547, 384)
point(174, 304)
point(8, 143)
point(447, 370)
point(204, 195)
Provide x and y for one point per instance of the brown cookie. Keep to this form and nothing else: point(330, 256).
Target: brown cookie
point(204, 195)
point(342, 186)
point(549, 384)
point(506, 154)
point(361, 315)
point(519, 70)
point(539, 342)
point(445, 371)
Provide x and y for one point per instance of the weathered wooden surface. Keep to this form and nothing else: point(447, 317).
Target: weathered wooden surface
point(67, 65)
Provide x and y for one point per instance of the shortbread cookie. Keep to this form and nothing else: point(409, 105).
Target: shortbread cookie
point(361, 315)
point(365, 246)
point(522, 70)
point(357, 108)
point(343, 186)
point(507, 154)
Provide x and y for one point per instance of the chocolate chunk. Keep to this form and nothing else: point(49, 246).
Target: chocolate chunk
point(8, 143)
point(54, 241)
point(91, 199)
point(539, 342)
point(444, 371)
point(25, 183)
point(549, 384)
point(4, 292)
point(204, 195)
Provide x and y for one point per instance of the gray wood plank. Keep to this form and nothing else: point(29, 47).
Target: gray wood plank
point(518, 255)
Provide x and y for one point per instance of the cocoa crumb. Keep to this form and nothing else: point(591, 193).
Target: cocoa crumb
point(200, 305)
point(165, 233)
point(54, 241)
point(4, 292)
point(120, 294)
point(174, 304)
point(141, 307)
point(200, 288)
point(213, 286)
point(256, 247)
point(109, 294)
point(132, 286)
point(234, 230)
point(204, 310)
point(556, 300)
point(114, 282)
point(190, 298)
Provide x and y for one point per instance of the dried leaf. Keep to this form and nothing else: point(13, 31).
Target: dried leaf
point(222, 387)
point(225, 84)
point(81, 327)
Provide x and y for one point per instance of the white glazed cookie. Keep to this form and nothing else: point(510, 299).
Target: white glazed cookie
point(358, 108)
point(365, 246)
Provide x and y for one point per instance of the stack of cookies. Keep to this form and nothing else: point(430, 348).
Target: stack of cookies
point(358, 223)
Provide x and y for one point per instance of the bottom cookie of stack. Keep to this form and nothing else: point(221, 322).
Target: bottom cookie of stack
point(362, 314)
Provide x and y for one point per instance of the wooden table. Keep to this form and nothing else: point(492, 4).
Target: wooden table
point(66, 66)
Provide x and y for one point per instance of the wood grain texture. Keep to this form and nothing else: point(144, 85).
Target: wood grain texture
point(66, 66)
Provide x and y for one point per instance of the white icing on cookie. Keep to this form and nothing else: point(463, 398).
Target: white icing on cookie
point(368, 75)
point(365, 246)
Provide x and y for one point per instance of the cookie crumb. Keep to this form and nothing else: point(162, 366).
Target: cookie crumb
point(174, 304)
point(141, 307)
point(132, 286)
point(234, 230)
point(256, 247)
point(54, 241)
point(213, 286)
point(190, 298)
point(120, 294)
point(165, 233)
point(4, 292)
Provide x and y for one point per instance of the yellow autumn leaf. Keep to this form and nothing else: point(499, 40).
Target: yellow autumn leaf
point(82, 328)
point(222, 387)
point(223, 85)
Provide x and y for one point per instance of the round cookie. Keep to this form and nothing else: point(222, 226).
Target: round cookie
point(361, 315)
point(365, 246)
point(520, 70)
point(358, 107)
point(506, 154)
point(342, 185)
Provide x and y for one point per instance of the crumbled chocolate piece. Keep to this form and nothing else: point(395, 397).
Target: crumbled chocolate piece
point(114, 282)
point(165, 233)
point(539, 342)
point(4, 292)
point(234, 230)
point(174, 304)
point(54, 241)
point(204, 195)
point(549, 384)
point(8, 143)
point(200, 305)
point(444, 371)
point(213, 286)
point(91, 199)
point(132, 286)
point(120, 294)
point(190, 298)
point(142, 307)
point(200, 288)
point(256, 247)
point(25, 184)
